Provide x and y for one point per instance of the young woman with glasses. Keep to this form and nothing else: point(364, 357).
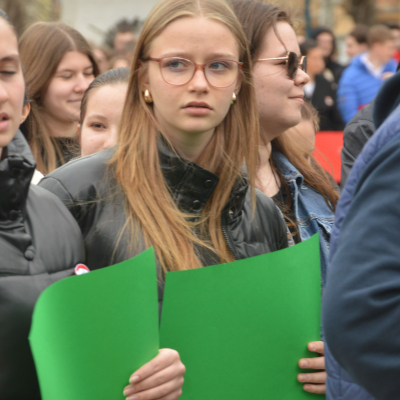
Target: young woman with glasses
point(175, 179)
point(300, 188)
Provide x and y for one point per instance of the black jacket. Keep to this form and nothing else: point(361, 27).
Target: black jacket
point(357, 132)
point(90, 193)
point(39, 244)
point(324, 100)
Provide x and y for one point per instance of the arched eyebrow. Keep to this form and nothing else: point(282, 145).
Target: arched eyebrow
point(212, 56)
point(13, 58)
point(73, 70)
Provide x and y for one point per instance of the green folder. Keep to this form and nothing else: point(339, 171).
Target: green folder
point(91, 332)
point(242, 327)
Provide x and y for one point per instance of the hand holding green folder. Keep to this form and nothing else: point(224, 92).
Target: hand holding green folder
point(240, 328)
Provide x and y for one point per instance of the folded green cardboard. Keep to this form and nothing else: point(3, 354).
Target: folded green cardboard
point(91, 332)
point(242, 327)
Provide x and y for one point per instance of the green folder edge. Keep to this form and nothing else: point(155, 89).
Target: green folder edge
point(113, 377)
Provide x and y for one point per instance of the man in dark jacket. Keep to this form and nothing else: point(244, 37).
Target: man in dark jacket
point(362, 127)
point(356, 134)
point(361, 306)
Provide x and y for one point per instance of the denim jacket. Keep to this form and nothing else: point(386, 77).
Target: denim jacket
point(309, 207)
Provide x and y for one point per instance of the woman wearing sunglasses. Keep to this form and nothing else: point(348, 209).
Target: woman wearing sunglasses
point(300, 188)
point(175, 179)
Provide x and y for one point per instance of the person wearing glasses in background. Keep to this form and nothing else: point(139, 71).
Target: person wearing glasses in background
point(287, 172)
point(175, 179)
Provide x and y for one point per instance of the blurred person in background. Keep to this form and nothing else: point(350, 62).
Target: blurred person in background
point(119, 60)
point(122, 33)
point(356, 41)
point(364, 76)
point(58, 66)
point(319, 91)
point(101, 109)
point(395, 29)
point(327, 42)
point(123, 58)
point(102, 55)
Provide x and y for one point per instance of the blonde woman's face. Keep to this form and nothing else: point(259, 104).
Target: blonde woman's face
point(63, 97)
point(195, 108)
point(12, 86)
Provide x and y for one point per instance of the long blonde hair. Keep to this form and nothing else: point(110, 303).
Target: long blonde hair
point(136, 162)
point(42, 46)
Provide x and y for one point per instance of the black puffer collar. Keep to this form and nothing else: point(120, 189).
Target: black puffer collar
point(192, 185)
point(16, 171)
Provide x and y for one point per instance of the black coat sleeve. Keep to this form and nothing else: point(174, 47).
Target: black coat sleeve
point(361, 304)
point(356, 134)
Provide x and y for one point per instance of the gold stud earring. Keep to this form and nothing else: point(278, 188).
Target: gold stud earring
point(234, 98)
point(147, 97)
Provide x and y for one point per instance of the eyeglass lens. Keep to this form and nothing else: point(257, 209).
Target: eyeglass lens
point(293, 64)
point(179, 71)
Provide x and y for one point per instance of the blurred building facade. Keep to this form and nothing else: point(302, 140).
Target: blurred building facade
point(93, 18)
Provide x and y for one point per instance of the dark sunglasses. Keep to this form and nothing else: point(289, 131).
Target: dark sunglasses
point(292, 63)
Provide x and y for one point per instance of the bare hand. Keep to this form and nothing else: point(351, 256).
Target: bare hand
point(315, 381)
point(161, 378)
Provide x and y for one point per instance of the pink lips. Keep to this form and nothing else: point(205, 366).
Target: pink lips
point(299, 98)
point(197, 108)
point(4, 121)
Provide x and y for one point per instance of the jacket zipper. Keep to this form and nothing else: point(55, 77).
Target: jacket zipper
point(226, 238)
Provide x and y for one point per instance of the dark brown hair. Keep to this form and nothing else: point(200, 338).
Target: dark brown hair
point(307, 46)
point(257, 18)
point(42, 46)
point(359, 33)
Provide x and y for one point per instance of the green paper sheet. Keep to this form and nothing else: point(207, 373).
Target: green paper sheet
point(242, 327)
point(91, 332)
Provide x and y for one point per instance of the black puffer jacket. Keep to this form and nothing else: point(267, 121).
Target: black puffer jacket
point(91, 195)
point(39, 244)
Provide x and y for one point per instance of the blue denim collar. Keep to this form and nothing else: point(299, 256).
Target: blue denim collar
point(289, 172)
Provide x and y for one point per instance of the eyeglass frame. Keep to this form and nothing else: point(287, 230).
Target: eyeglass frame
point(302, 63)
point(196, 67)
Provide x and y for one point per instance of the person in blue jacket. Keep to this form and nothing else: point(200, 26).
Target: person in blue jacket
point(361, 303)
point(362, 79)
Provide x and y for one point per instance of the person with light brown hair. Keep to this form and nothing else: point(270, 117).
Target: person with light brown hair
point(176, 179)
point(301, 189)
point(58, 67)
point(364, 76)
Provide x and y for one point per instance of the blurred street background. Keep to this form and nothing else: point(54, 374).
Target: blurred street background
point(94, 18)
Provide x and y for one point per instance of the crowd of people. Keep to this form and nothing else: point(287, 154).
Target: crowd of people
point(193, 132)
